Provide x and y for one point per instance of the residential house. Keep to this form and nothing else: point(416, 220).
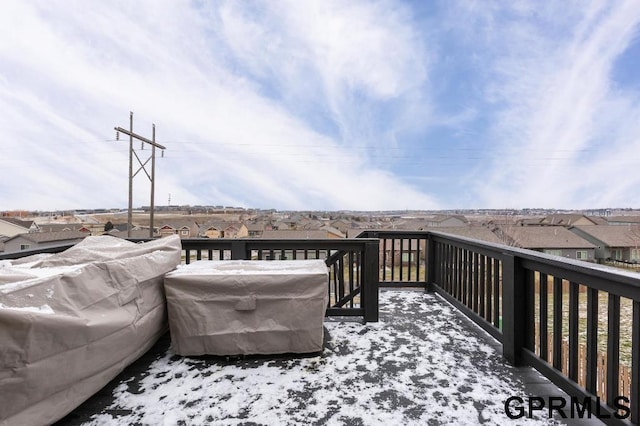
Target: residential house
point(445, 221)
point(554, 240)
point(530, 221)
point(301, 234)
point(212, 230)
point(312, 224)
point(255, 230)
point(623, 220)
point(185, 228)
point(224, 230)
point(236, 230)
point(613, 242)
point(280, 226)
point(567, 220)
point(332, 232)
point(343, 225)
point(10, 227)
point(406, 224)
point(39, 240)
point(63, 227)
point(598, 220)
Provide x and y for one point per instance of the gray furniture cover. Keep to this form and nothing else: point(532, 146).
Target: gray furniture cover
point(244, 307)
point(71, 322)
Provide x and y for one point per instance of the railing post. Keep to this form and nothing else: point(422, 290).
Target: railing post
point(514, 308)
point(430, 264)
point(239, 250)
point(369, 293)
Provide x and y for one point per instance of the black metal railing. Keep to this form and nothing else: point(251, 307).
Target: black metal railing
point(545, 310)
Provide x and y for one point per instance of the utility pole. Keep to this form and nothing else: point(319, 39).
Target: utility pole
point(151, 175)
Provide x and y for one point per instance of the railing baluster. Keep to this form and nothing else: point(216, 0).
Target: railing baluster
point(336, 275)
point(340, 282)
point(490, 296)
point(460, 273)
point(496, 292)
point(417, 260)
point(544, 317)
point(401, 257)
point(453, 273)
point(573, 330)
point(613, 348)
point(352, 284)
point(450, 269)
point(350, 266)
point(450, 263)
point(557, 323)
point(475, 281)
point(530, 283)
point(393, 259)
point(384, 259)
point(481, 290)
point(465, 277)
point(592, 340)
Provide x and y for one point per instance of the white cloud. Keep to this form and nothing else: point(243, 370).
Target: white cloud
point(319, 104)
point(77, 69)
point(555, 90)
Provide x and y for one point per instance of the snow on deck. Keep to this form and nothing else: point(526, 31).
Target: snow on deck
point(421, 364)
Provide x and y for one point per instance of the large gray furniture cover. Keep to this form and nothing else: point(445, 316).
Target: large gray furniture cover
point(244, 307)
point(71, 322)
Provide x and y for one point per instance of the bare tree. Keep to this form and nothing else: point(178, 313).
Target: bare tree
point(507, 227)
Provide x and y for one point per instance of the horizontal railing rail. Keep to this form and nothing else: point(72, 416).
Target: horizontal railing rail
point(545, 310)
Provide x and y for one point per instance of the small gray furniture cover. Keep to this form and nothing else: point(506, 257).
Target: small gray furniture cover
point(240, 307)
point(72, 321)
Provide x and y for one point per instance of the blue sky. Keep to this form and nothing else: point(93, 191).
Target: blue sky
point(364, 105)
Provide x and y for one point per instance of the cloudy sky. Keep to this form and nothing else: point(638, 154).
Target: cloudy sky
point(289, 104)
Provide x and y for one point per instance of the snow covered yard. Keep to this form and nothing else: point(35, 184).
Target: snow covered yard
point(421, 364)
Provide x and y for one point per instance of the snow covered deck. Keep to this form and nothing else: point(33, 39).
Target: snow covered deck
point(423, 363)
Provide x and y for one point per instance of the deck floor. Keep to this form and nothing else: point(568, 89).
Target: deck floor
point(424, 363)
